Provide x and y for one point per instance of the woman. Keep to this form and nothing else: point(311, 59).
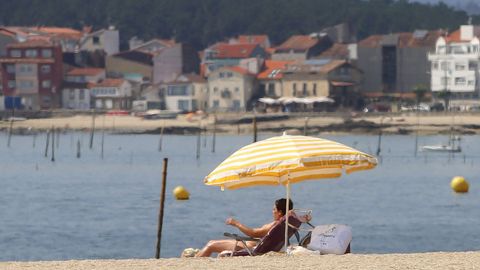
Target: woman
point(217, 246)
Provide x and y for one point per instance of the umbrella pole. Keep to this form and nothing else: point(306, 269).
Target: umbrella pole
point(286, 212)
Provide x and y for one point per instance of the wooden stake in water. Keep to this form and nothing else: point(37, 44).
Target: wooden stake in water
point(53, 144)
point(103, 135)
point(47, 143)
point(78, 148)
point(254, 128)
point(305, 127)
point(34, 140)
point(92, 132)
point(161, 137)
point(199, 134)
point(160, 212)
point(214, 132)
point(58, 137)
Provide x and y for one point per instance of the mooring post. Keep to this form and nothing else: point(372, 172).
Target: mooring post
point(199, 139)
point(47, 143)
point(162, 205)
point(78, 148)
point(10, 129)
point(214, 132)
point(92, 132)
point(53, 144)
point(103, 135)
point(305, 127)
point(254, 128)
point(161, 137)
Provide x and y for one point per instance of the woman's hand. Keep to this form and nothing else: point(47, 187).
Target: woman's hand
point(231, 221)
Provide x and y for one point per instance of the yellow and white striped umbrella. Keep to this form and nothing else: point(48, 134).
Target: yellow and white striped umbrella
point(287, 159)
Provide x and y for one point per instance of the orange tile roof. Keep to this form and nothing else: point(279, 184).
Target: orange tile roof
point(455, 36)
point(109, 82)
point(405, 40)
point(32, 43)
point(253, 39)
point(270, 67)
point(60, 31)
point(85, 71)
point(299, 42)
point(238, 69)
point(234, 50)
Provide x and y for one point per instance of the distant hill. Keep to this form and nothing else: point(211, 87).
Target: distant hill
point(203, 22)
point(472, 7)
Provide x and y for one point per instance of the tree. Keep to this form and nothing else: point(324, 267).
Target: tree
point(420, 91)
point(445, 95)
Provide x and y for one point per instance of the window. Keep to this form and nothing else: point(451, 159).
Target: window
point(177, 90)
point(435, 65)
point(72, 94)
point(16, 53)
point(216, 104)
point(459, 66)
point(25, 84)
point(472, 65)
point(271, 89)
point(46, 84)
point(294, 89)
point(81, 94)
point(236, 104)
point(194, 105)
point(96, 40)
point(304, 90)
point(183, 105)
point(229, 74)
point(459, 81)
point(45, 69)
point(471, 82)
point(46, 53)
point(221, 75)
point(237, 89)
point(46, 100)
point(12, 84)
point(314, 89)
point(215, 90)
point(25, 68)
point(11, 69)
point(31, 53)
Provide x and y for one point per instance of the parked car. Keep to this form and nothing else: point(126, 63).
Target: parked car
point(377, 107)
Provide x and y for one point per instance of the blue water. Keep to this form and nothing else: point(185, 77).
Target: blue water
point(91, 207)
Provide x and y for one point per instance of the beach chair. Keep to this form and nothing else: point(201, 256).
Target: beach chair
point(273, 241)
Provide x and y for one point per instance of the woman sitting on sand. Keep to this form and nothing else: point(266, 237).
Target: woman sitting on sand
point(217, 246)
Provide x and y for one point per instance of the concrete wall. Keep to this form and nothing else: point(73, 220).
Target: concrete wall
point(412, 67)
point(370, 62)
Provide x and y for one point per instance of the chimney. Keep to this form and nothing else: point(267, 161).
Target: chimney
point(466, 32)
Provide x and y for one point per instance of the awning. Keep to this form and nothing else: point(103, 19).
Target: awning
point(268, 100)
point(336, 83)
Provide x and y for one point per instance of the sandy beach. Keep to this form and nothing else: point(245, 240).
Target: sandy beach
point(427, 261)
point(316, 124)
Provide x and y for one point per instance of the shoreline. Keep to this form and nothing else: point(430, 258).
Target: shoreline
point(428, 261)
point(404, 124)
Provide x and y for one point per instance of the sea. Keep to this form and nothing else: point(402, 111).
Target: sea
point(105, 203)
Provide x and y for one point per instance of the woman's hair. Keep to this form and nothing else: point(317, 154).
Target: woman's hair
point(281, 205)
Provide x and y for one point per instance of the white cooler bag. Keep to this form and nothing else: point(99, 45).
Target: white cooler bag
point(331, 239)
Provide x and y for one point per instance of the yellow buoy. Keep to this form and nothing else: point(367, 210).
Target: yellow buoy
point(459, 184)
point(181, 193)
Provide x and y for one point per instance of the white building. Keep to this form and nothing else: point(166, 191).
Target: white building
point(188, 92)
point(455, 64)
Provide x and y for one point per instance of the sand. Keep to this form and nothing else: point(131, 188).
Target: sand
point(427, 261)
point(398, 123)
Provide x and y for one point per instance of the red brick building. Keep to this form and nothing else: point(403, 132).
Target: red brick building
point(33, 70)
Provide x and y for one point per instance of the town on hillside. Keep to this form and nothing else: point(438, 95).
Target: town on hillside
point(57, 68)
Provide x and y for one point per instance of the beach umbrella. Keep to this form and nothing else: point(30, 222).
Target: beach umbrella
point(285, 160)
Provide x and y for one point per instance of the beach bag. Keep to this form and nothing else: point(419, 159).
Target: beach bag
point(330, 239)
